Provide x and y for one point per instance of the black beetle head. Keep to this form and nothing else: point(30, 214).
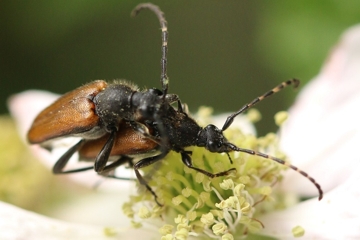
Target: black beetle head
point(212, 138)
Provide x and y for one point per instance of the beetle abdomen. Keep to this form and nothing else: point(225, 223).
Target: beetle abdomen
point(127, 142)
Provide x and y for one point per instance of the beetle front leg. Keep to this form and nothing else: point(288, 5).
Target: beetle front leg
point(187, 161)
point(141, 128)
point(146, 162)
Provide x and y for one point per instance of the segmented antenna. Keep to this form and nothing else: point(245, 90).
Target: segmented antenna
point(276, 89)
point(164, 38)
point(278, 160)
point(230, 120)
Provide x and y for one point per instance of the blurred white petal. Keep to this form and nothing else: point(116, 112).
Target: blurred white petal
point(322, 133)
point(337, 216)
point(16, 223)
point(322, 137)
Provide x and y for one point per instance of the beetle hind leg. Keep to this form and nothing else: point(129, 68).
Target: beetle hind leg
point(64, 159)
point(107, 170)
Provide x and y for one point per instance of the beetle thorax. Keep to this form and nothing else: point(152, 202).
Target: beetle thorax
point(149, 104)
point(114, 104)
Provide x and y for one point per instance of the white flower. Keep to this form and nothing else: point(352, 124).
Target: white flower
point(321, 136)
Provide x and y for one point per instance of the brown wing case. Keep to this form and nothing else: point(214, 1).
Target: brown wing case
point(127, 142)
point(70, 114)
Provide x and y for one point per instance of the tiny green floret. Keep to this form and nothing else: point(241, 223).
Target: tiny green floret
point(144, 212)
point(227, 236)
point(253, 115)
point(219, 208)
point(166, 229)
point(110, 232)
point(281, 117)
point(298, 231)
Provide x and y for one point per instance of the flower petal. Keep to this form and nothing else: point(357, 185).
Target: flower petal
point(321, 135)
point(16, 223)
point(337, 216)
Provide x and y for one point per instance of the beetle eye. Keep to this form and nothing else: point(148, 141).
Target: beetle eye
point(213, 146)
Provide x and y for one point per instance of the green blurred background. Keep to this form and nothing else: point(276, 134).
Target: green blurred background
point(221, 53)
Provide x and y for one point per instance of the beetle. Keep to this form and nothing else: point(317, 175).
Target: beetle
point(183, 131)
point(118, 123)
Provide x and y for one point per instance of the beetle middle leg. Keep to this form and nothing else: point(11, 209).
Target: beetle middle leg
point(103, 156)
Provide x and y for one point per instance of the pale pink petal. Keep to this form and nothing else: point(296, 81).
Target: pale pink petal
point(337, 216)
point(16, 223)
point(321, 135)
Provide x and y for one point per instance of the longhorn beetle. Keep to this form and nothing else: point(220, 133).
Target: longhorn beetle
point(118, 121)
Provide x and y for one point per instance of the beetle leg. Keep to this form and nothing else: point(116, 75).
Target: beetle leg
point(187, 161)
point(122, 160)
point(103, 156)
point(146, 162)
point(171, 98)
point(141, 128)
point(64, 159)
point(183, 108)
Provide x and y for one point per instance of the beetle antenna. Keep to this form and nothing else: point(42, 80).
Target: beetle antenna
point(280, 161)
point(164, 38)
point(276, 89)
